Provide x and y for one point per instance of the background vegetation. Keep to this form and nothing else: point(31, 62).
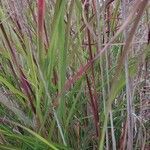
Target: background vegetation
point(74, 74)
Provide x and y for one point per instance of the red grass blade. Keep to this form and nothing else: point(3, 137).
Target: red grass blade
point(41, 14)
point(40, 25)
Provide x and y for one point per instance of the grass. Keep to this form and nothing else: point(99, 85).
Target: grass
point(74, 74)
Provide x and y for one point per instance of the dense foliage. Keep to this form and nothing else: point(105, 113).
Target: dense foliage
point(74, 74)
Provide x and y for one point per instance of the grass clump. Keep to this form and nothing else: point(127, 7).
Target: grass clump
point(74, 74)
